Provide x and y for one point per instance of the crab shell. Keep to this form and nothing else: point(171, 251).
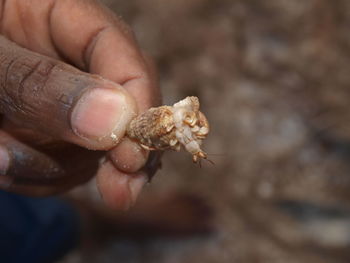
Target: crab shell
point(170, 127)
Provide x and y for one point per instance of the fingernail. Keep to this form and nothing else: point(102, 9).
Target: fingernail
point(100, 113)
point(4, 160)
point(136, 184)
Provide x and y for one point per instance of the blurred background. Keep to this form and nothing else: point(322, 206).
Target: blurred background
point(273, 79)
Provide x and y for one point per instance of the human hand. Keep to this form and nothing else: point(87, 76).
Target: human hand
point(54, 112)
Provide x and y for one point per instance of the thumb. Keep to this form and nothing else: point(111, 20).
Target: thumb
point(52, 97)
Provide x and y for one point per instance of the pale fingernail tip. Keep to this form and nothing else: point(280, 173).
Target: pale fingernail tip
point(4, 160)
point(101, 113)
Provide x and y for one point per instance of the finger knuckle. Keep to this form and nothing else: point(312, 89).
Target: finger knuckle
point(23, 78)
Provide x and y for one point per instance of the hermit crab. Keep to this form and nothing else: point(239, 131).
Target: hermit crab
point(170, 127)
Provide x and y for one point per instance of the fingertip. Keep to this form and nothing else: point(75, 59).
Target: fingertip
point(128, 156)
point(113, 187)
point(119, 190)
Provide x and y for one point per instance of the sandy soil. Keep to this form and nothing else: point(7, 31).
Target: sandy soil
point(273, 79)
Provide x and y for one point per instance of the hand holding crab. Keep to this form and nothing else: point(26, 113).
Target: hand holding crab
point(60, 119)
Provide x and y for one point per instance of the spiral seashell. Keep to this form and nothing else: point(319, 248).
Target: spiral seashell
point(172, 127)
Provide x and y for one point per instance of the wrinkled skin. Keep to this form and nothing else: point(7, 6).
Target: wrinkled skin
point(72, 78)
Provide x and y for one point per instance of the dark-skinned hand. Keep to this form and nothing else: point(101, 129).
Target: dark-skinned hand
point(72, 77)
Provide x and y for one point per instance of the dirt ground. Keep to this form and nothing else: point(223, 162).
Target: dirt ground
point(273, 78)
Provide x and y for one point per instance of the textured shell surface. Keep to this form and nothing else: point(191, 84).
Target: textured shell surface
point(172, 127)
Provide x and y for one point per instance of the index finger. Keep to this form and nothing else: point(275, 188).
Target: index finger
point(88, 35)
point(110, 50)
